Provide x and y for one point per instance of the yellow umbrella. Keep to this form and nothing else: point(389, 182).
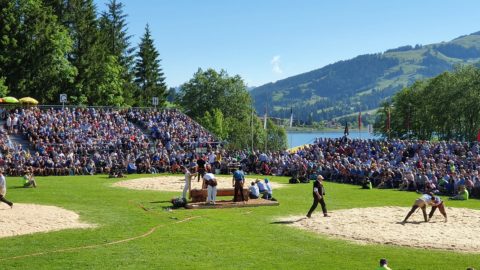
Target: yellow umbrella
point(28, 100)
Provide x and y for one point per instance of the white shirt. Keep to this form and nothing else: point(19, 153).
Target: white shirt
point(3, 185)
point(188, 175)
point(254, 190)
point(208, 176)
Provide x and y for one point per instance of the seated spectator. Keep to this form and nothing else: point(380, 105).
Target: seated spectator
point(383, 265)
point(262, 188)
point(29, 179)
point(462, 194)
point(254, 192)
point(269, 191)
point(367, 184)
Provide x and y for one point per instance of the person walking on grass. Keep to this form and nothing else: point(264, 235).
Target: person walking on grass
point(3, 190)
point(318, 197)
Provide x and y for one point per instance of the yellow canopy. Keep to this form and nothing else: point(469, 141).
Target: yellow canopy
point(296, 148)
point(28, 100)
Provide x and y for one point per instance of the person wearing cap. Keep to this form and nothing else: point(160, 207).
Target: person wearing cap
point(383, 265)
point(318, 197)
point(3, 190)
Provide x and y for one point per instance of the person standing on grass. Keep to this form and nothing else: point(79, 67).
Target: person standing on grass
point(200, 167)
point(3, 190)
point(188, 181)
point(318, 197)
point(211, 183)
point(237, 181)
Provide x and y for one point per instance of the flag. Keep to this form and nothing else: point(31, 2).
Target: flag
point(388, 120)
point(345, 132)
point(359, 120)
point(291, 117)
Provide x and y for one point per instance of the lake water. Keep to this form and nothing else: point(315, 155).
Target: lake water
point(300, 138)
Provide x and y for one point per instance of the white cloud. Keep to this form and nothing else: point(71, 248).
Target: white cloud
point(276, 65)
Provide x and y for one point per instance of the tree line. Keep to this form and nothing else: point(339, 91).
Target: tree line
point(49, 47)
point(446, 107)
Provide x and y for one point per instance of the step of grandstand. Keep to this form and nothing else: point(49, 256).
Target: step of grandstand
point(12, 141)
point(142, 128)
point(18, 140)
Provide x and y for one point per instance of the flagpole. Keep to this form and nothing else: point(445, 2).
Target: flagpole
point(251, 126)
point(359, 125)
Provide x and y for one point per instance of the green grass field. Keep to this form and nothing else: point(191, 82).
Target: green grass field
point(240, 238)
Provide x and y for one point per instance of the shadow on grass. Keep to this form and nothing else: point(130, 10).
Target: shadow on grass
point(287, 221)
point(169, 201)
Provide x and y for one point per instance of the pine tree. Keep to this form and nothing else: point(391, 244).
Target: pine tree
point(33, 54)
point(113, 27)
point(148, 73)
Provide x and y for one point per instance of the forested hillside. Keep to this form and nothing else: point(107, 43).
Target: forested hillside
point(362, 83)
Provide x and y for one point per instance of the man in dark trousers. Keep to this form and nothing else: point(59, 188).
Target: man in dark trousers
point(318, 197)
point(238, 182)
point(3, 190)
point(201, 167)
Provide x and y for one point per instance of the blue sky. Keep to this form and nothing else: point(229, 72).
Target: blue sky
point(268, 40)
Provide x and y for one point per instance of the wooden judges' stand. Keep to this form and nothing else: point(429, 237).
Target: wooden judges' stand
point(200, 195)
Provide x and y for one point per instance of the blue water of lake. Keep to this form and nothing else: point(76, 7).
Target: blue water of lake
point(300, 138)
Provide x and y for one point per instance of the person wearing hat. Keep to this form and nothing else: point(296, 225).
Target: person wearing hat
point(318, 197)
point(3, 190)
point(383, 265)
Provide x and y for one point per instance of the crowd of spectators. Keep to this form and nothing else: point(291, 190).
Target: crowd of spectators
point(89, 141)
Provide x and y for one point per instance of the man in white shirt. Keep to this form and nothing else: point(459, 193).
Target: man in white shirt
point(211, 183)
point(254, 191)
point(188, 181)
point(3, 190)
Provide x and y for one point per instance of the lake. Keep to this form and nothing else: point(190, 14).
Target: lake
point(300, 138)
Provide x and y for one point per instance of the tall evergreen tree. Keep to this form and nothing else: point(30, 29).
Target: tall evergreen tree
point(148, 73)
point(33, 50)
point(113, 27)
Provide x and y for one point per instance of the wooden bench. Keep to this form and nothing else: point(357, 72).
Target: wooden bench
point(200, 195)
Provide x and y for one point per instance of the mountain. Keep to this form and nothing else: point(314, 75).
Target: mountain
point(362, 83)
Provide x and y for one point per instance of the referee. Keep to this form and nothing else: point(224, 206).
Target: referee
point(318, 197)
